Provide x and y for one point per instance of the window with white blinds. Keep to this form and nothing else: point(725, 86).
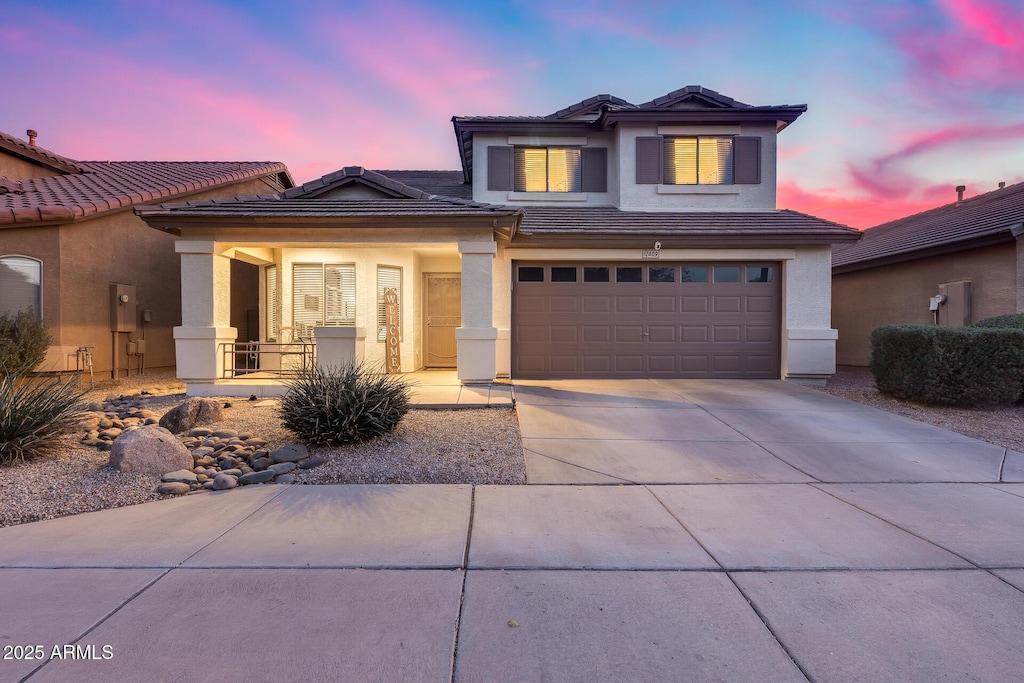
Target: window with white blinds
point(323, 294)
point(699, 161)
point(388, 277)
point(21, 285)
point(548, 169)
point(273, 310)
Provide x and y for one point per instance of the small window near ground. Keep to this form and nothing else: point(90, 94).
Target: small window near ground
point(629, 274)
point(596, 274)
point(693, 274)
point(388, 277)
point(531, 274)
point(727, 273)
point(661, 274)
point(21, 285)
point(759, 273)
point(563, 274)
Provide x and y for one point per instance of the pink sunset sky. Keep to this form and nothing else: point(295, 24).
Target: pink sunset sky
point(907, 99)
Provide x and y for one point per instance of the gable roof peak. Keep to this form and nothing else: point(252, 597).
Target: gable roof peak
point(592, 105)
point(349, 175)
point(695, 95)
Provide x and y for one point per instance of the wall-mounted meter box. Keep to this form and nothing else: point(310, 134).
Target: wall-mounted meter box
point(122, 308)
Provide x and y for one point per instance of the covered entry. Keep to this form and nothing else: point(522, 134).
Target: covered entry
point(646, 319)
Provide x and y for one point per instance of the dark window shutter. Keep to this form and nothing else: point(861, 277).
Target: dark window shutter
point(499, 168)
point(649, 160)
point(595, 169)
point(747, 160)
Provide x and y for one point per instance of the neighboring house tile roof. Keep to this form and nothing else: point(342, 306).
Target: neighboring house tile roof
point(989, 218)
point(104, 186)
point(44, 157)
point(746, 227)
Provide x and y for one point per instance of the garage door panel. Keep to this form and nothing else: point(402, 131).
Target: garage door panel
point(629, 304)
point(727, 304)
point(597, 334)
point(695, 304)
point(597, 304)
point(629, 328)
point(564, 304)
point(564, 333)
point(661, 304)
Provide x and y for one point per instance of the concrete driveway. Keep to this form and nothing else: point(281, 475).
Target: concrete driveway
point(677, 530)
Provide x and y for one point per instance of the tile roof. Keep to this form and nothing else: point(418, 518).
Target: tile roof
point(103, 186)
point(992, 217)
point(275, 206)
point(443, 183)
point(358, 175)
point(44, 157)
point(591, 104)
point(742, 226)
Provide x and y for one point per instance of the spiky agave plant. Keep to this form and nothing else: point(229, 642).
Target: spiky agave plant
point(34, 412)
point(343, 405)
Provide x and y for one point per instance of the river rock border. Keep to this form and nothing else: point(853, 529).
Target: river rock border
point(222, 458)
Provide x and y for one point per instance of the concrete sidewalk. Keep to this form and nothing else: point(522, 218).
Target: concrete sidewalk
point(813, 540)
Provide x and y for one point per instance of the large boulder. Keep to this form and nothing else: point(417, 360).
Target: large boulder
point(150, 450)
point(194, 411)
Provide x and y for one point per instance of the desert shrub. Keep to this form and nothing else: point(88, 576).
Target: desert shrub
point(1012, 321)
point(34, 412)
point(343, 405)
point(23, 341)
point(970, 366)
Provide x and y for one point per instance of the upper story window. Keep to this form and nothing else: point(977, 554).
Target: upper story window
point(21, 285)
point(698, 161)
point(548, 169)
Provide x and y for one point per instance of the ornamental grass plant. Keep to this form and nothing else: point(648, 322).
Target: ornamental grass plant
point(344, 405)
point(34, 412)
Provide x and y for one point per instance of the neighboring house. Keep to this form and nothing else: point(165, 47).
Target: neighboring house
point(605, 240)
point(68, 237)
point(971, 251)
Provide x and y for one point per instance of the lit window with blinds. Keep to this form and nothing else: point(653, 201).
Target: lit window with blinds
point(388, 277)
point(323, 294)
point(548, 169)
point(21, 285)
point(273, 309)
point(699, 161)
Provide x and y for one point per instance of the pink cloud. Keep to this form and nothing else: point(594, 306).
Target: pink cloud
point(422, 58)
point(860, 211)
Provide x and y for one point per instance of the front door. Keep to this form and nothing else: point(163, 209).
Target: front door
point(444, 315)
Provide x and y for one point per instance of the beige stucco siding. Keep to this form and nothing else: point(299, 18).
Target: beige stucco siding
point(20, 169)
point(866, 299)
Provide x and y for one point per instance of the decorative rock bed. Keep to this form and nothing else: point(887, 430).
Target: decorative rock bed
point(222, 459)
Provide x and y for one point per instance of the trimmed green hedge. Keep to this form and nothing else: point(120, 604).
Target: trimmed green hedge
point(1012, 321)
point(967, 366)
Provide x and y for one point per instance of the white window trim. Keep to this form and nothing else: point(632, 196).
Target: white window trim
point(40, 263)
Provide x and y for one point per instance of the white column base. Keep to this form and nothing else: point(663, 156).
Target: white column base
point(477, 349)
point(339, 346)
point(198, 353)
point(810, 355)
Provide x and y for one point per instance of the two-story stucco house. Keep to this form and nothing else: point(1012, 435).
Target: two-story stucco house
point(605, 240)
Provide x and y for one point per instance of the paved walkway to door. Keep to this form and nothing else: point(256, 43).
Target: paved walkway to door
point(740, 531)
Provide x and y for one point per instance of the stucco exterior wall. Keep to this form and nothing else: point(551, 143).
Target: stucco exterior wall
point(635, 197)
point(20, 169)
point(809, 341)
point(42, 244)
point(866, 299)
point(481, 194)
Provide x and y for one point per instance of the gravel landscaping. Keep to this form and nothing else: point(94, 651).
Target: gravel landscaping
point(429, 446)
point(1000, 426)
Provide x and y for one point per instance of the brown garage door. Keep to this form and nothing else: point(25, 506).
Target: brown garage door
point(649, 319)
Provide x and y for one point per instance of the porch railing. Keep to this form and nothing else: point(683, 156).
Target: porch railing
point(258, 360)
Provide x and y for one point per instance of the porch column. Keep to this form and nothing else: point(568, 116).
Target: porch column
point(477, 338)
point(205, 314)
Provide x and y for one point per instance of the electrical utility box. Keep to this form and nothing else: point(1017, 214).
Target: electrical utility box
point(956, 311)
point(123, 303)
